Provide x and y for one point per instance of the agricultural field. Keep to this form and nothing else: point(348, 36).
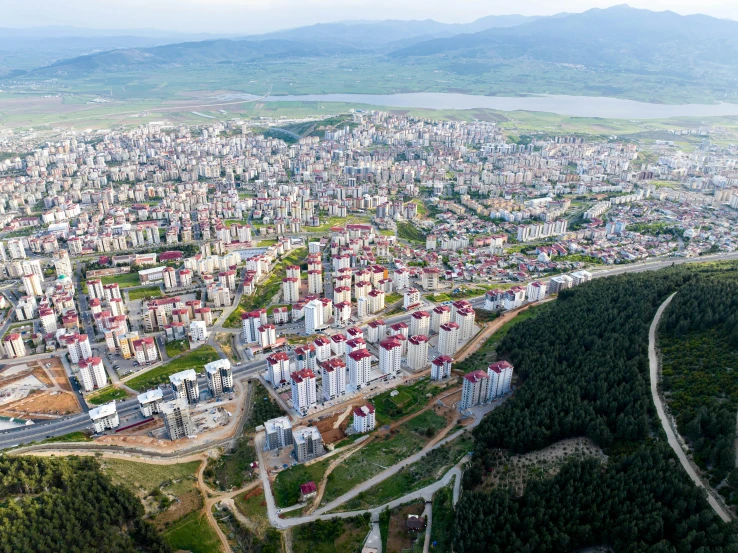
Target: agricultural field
point(410, 399)
point(194, 359)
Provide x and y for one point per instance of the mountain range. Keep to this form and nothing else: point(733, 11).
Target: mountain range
point(614, 46)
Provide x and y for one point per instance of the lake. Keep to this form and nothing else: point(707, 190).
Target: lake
point(578, 106)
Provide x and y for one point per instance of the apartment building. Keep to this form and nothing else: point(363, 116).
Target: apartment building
point(304, 392)
point(290, 290)
point(220, 377)
point(420, 322)
point(267, 336)
point(429, 278)
point(448, 339)
point(359, 364)
point(417, 352)
point(176, 416)
point(441, 367)
point(313, 317)
point(411, 298)
point(144, 349)
point(390, 355)
point(440, 315)
point(315, 282)
point(364, 419)
point(278, 433)
point(308, 444)
point(150, 402)
point(278, 369)
point(334, 378)
point(104, 417)
point(184, 385)
point(500, 377)
point(92, 374)
point(536, 291)
point(474, 391)
point(14, 346)
point(465, 319)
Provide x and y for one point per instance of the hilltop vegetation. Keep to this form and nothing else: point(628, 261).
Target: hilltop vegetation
point(698, 337)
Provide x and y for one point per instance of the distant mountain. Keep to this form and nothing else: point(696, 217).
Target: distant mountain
point(378, 33)
point(615, 38)
point(207, 52)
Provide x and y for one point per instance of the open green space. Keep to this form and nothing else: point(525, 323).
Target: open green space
point(193, 533)
point(126, 280)
point(195, 359)
point(176, 347)
point(232, 469)
point(331, 536)
point(420, 474)
point(339, 222)
point(148, 292)
point(391, 298)
point(144, 477)
point(253, 505)
point(408, 400)
point(266, 290)
point(443, 519)
point(408, 231)
point(106, 395)
point(263, 406)
point(286, 486)
point(382, 453)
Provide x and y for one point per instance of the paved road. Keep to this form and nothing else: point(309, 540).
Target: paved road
point(428, 512)
point(653, 361)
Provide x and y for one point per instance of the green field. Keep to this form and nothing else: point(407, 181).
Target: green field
point(331, 536)
point(409, 399)
point(144, 477)
point(286, 487)
point(443, 519)
point(193, 533)
point(176, 347)
point(106, 395)
point(125, 280)
point(408, 231)
point(254, 507)
point(231, 470)
point(194, 359)
point(382, 453)
point(414, 477)
point(148, 292)
point(71, 437)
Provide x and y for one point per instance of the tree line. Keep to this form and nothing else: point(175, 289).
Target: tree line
point(69, 505)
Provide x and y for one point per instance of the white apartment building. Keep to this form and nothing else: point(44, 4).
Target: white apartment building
point(32, 285)
point(334, 378)
point(92, 374)
point(14, 346)
point(313, 317)
point(104, 417)
point(62, 263)
point(390, 355)
point(359, 364)
point(267, 336)
point(411, 297)
point(376, 301)
point(401, 279)
point(184, 385)
point(362, 289)
point(536, 291)
point(448, 339)
point(150, 402)
point(220, 377)
point(513, 298)
point(417, 352)
point(474, 391)
point(290, 290)
point(364, 419)
point(176, 416)
point(341, 294)
point(420, 323)
point(315, 282)
point(429, 278)
point(440, 315)
point(560, 282)
point(465, 320)
point(144, 349)
point(278, 433)
point(500, 377)
point(580, 277)
point(48, 320)
point(278, 369)
point(322, 348)
point(170, 278)
point(341, 313)
point(78, 346)
point(441, 367)
point(198, 331)
point(304, 393)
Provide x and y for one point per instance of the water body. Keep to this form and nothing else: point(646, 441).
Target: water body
point(577, 106)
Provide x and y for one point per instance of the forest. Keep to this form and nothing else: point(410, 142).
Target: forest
point(641, 503)
point(582, 369)
point(698, 339)
point(68, 505)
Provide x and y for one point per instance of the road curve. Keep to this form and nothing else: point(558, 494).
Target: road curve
point(653, 362)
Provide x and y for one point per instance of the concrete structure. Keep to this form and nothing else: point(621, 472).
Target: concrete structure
point(176, 416)
point(420, 322)
point(184, 385)
point(278, 369)
point(411, 298)
point(536, 291)
point(267, 336)
point(417, 352)
point(334, 378)
point(14, 346)
point(150, 402)
point(440, 315)
point(500, 377)
point(278, 433)
point(465, 319)
point(144, 350)
point(308, 443)
point(390, 355)
point(359, 363)
point(104, 417)
point(220, 377)
point(313, 317)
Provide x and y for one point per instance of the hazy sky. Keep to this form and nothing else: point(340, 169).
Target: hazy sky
point(253, 16)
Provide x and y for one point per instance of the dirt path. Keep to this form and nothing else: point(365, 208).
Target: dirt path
point(671, 433)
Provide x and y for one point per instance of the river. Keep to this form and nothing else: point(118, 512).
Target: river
point(577, 106)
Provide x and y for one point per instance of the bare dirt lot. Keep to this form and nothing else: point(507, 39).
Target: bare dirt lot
point(398, 536)
point(54, 399)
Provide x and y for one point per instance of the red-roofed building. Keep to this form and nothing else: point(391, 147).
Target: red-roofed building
point(364, 419)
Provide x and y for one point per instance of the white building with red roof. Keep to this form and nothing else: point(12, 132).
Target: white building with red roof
point(500, 377)
point(304, 393)
point(475, 389)
point(364, 419)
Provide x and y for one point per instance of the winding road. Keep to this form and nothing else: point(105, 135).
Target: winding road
point(654, 369)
